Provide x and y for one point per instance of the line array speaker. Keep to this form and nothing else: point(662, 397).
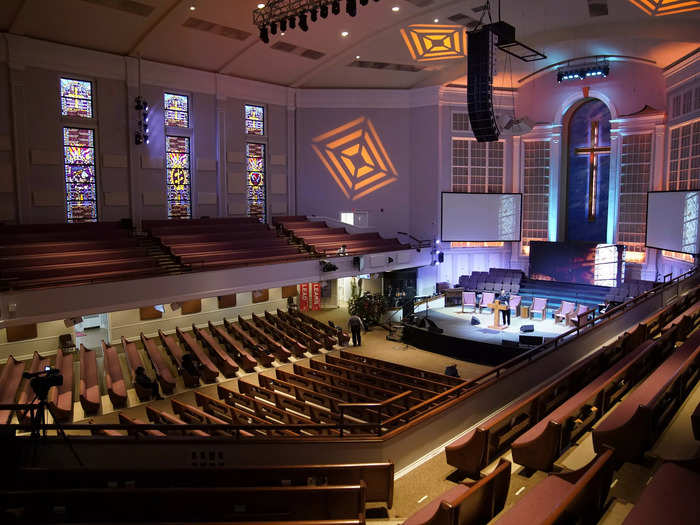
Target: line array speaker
point(480, 85)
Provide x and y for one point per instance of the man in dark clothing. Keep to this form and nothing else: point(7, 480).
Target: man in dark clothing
point(190, 365)
point(145, 382)
point(504, 297)
point(356, 326)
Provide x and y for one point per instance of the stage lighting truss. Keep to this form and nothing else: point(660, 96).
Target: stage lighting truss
point(280, 13)
point(584, 71)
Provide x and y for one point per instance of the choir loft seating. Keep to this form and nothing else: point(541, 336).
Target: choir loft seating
point(225, 242)
point(40, 255)
point(326, 241)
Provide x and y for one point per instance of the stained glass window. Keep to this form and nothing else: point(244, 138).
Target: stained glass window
point(177, 155)
point(176, 110)
point(76, 98)
point(79, 165)
point(255, 180)
point(254, 120)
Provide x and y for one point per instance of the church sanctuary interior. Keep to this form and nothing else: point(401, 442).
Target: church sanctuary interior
point(337, 262)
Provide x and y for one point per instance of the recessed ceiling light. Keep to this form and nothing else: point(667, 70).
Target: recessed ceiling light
point(395, 9)
point(357, 57)
point(261, 5)
point(436, 20)
point(192, 8)
point(344, 34)
point(282, 33)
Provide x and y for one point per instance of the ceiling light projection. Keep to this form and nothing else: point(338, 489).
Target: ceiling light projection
point(282, 13)
point(428, 42)
point(666, 7)
point(355, 158)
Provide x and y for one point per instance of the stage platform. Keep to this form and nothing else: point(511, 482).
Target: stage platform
point(477, 343)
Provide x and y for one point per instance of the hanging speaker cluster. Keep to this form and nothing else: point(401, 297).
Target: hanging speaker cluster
point(480, 84)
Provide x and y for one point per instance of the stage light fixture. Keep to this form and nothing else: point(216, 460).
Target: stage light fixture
point(292, 22)
point(324, 11)
point(314, 14)
point(273, 28)
point(335, 7)
point(303, 24)
point(351, 7)
point(597, 70)
point(283, 25)
point(263, 35)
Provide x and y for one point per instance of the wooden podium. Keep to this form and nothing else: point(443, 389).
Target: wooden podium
point(497, 308)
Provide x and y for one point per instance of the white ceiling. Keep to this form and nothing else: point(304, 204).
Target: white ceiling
point(562, 29)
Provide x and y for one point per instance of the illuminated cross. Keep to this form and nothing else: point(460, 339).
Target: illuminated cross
point(593, 151)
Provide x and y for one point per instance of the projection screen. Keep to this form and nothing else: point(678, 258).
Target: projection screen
point(481, 217)
point(672, 221)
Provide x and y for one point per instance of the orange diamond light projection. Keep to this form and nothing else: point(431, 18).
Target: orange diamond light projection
point(666, 7)
point(427, 42)
point(356, 158)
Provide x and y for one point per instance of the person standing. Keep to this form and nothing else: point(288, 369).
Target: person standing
point(356, 326)
point(504, 297)
point(146, 382)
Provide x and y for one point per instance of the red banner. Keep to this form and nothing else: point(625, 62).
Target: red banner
point(304, 297)
point(315, 296)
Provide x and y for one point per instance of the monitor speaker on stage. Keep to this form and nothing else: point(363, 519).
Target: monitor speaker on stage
point(475, 321)
point(480, 85)
point(526, 328)
point(531, 340)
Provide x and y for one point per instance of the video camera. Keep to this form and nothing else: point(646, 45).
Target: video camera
point(43, 380)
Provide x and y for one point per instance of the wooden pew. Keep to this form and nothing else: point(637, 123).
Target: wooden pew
point(76, 268)
point(468, 502)
point(565, 497)
point(60, 398)
point(227, 366)
point(372, 381)
point(147, 225)
point(243, 358)
point(670, 498)
point(89, 384)
point(372, 370)
point(176, 353)
point(194, 415)
point(276, 348)
point(66, 257)
point(208, 370)
point(236, 416)
point(134, 429)
point(10, 379)
point(476, 449)
point(539, 447)
point(232, 236)
point(52, 247)
point(71, 279)
point(260, 352)
point(317, 385)
point(134, 361)
point(163, 418)
point(26, 394)
point(263, 258)
point(114, 378)
point(250, 505)
point(378, 477)
point(326, 340)
point(634, 424)
point(302, 338)
point(253, 252)
point(161, 368)
point(330, 331)
point(403, 369)
point(181, 249)
point(295, 347)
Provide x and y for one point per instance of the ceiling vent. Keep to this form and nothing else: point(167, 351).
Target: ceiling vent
point(216, 29)
point(128, 6)
point(286, 47)
point(465, 20)
point(597, 7)
point(386, 66)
